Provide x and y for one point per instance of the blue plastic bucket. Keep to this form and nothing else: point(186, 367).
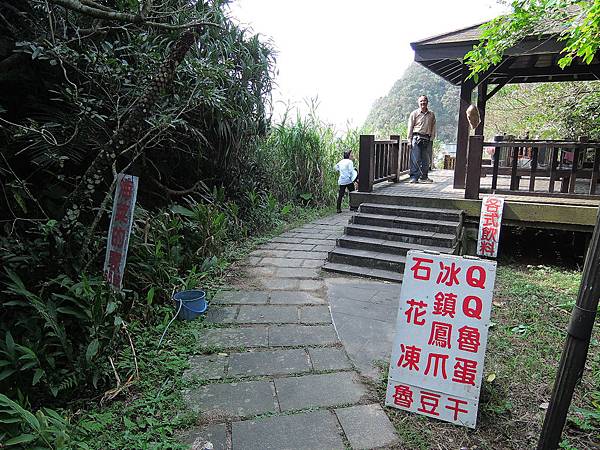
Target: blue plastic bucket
point(193, 304)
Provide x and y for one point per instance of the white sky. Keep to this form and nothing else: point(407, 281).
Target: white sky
point(348, 53)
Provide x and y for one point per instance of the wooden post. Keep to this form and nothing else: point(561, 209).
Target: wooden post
point(595, 170)
point(481, 101)
point(514, 178)
point(574, 168)
point(474, 167)
point(462, 135)
point(366, 163)
point(575, 351)
point(396, 156)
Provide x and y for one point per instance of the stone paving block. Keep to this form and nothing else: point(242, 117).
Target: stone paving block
point(232, 399)
point(302, 247)
point(271, 362)
point(315, 314)
point(206, 367)
point(216, 434)
point(281, 262)
point(256, 336)
point(329, 359)
point(287, 240)
point(241, 297)
point(294, 298)
point(315, 430)
point(270, 253)
point(296, 335)
point(264, 271)
point(221, 314)
point(367, 426)
point(314, 263)
point(306, 255)
point(268, 314)
point(296, 272)
point(286, 284)
point(308, 235)
point(316, 241)
point(324, 247)
point(311, 391)
point(310, 285)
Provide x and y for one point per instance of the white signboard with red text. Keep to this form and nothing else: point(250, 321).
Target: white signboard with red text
point(120, 229)
point(436, 368)
point(490, 222)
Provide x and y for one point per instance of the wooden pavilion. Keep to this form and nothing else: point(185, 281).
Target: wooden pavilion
point(546, 184)
point(533, 60)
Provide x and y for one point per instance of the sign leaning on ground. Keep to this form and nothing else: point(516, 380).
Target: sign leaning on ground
point(490, 222)
point(436, 367)
point(120, 229)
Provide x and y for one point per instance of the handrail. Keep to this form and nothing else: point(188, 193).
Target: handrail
point(550, 160)
point(381, 160)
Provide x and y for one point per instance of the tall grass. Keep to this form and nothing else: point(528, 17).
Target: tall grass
point(301, 154)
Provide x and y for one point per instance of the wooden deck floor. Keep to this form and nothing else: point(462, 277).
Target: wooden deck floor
point(522, 210)
point(442, 187)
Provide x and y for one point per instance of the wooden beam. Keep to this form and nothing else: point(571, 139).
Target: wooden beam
point(530, 71)
point(462, 135)
point(496, 89)
point(575, 350)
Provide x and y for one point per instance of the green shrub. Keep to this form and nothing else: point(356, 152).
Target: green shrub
point(23, 429)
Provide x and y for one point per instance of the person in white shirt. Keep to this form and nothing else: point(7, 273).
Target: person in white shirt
point(347, 177)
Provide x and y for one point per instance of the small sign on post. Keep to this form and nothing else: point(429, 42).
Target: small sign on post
point(436, 367)
point(490, 222)
point(120, 229)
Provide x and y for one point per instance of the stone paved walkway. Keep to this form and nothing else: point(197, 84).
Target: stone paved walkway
point(277, 376)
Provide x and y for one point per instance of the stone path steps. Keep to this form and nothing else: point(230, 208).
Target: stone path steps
point(278, 376)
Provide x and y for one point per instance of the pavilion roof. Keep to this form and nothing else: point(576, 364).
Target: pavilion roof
point(534, 59)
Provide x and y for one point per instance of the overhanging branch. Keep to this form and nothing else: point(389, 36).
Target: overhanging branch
point(101, 12)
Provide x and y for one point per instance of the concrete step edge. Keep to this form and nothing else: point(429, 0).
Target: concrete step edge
point(378, 274)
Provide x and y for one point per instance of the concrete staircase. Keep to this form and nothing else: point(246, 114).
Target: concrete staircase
point(378, 237)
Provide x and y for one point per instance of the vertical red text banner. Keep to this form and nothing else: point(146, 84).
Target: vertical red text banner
point(121, 222)
point(490, 222)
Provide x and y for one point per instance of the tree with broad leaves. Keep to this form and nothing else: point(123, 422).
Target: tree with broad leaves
point(575, 22)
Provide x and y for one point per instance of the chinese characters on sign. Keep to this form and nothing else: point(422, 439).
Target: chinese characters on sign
point(436, 366)
point(120, 228)
point(489, 225)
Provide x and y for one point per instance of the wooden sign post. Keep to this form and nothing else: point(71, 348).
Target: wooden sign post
point(579, 332)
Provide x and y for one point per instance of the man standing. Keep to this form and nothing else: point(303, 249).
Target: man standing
point(421, 132)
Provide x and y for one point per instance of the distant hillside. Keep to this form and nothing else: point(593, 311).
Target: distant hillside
point(389, 114)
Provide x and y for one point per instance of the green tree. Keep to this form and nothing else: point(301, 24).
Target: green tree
point(576, 22)
point(389, 114)
point(546, 110)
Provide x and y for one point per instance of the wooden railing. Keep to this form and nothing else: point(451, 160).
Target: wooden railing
point(381, 161)
point(542, 162)
point(449, 162)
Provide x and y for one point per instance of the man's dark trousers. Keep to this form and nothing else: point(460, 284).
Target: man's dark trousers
point(419, 157)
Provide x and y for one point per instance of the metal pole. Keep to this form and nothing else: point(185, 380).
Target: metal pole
point(574, 354)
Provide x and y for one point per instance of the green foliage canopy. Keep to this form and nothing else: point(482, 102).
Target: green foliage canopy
point(576, 22)
point(389, 114)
